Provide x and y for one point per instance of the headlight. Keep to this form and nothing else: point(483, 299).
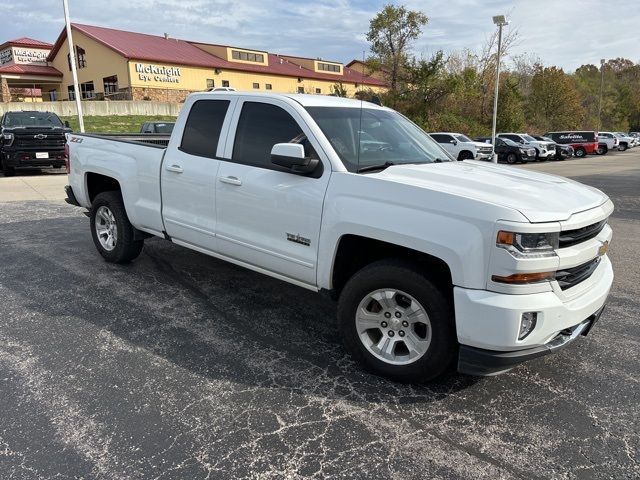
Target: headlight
point(528, 245)
point(7, 138)
point(522, 150)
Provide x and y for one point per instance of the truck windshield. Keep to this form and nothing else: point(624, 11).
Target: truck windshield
point(364, 138)
point(528, 138)
point(32, 119)
point(463, 138)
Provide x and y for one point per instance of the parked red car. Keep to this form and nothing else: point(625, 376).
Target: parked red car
point(583, 143)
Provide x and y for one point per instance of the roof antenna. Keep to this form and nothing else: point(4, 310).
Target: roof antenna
point(166, 36)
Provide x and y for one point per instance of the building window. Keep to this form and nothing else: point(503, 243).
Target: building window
point(72, 93)
point(247, 56)
point(267, 86)
point(328, 67)
point(87, 90)
point(110, 84)
point(225, 83)
point(318, 90)
point(81, 58)
point(300, 89)
point(256, 86)
point(210, 83)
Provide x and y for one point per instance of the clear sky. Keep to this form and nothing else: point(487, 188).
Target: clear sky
point(567, 33)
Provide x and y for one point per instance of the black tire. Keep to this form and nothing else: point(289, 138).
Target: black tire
point(512, 158)
point(126, 248)
point(622, 147)
point(538, 157)
point(580, 152)
point(602, 150)
point(465, 155)
point(395, 274)
point(7, 171)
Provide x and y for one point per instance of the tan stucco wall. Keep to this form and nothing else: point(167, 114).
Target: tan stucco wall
point(101, 62)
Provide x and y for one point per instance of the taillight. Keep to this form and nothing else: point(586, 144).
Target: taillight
point(66, 158)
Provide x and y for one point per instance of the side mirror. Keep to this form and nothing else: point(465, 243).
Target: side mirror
point(291, 156)
point(455, 142)
point(66, 124)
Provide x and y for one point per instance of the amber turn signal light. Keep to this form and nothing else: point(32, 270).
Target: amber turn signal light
point(521, 278)
point(505, 238)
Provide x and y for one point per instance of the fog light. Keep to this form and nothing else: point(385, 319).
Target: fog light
point(527, 324)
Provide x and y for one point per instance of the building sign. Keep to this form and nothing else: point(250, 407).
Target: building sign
point(6, 56)
point(28, 55)
point(158, 73)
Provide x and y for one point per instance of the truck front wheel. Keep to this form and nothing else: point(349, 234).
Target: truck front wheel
point(396, 323)
point(113, 234)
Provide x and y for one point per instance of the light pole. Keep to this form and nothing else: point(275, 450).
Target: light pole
point(500, 21)
point(601, 89)
point(74, 71)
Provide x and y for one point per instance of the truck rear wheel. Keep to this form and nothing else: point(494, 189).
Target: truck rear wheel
point(113, 234)
point(396, 323)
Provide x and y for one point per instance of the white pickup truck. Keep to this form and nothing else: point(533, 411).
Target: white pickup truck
point(435, 263)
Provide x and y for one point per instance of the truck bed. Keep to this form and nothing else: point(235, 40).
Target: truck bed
point(134, 160)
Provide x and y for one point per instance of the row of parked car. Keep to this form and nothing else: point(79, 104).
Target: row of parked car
point(522, 147)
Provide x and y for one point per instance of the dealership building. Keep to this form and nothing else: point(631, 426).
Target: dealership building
point(119, 65)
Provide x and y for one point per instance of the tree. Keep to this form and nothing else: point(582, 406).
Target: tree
point(338, 90)
point(554, 102)
point(510, 105)
point(391, 33)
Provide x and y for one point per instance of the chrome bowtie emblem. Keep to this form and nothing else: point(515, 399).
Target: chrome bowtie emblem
point(40, 136)
point(604, 248)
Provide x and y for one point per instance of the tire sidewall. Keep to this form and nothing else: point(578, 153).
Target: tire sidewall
point(443, 347)
point(512, 158)
point(113, 201)
point(580, 153)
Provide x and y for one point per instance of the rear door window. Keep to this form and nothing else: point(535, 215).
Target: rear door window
point(202, 130)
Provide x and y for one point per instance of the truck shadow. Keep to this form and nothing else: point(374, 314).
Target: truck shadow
point(210, 317)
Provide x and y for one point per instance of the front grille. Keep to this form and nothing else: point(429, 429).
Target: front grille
point(50, 142)
point(570, 277)
point(573, 237)
point(485, 150)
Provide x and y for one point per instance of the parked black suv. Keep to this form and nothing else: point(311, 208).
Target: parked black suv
point(31, 139)
point(510, 151)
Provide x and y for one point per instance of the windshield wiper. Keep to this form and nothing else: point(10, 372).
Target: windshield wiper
point(370, 168)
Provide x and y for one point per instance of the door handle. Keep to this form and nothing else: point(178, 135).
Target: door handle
point(175, 168)
point(231, 180)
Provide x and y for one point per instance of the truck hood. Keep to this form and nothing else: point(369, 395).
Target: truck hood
point(539, 197)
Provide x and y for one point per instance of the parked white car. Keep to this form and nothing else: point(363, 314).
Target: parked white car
point(624, 141)
point(544, 150)
point(630, 139)
point(607, 140)
point(434, 262)
point(461, 147)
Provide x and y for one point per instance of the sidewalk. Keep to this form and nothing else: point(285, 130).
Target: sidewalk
point(33, 187)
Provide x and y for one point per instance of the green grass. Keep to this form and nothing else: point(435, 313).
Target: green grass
point(115, 123)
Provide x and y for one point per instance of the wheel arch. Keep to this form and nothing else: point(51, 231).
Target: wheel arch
point(354, 252)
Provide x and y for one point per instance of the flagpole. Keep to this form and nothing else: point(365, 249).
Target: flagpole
point(74, 71)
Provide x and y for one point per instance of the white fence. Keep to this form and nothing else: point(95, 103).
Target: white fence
point(100, 109)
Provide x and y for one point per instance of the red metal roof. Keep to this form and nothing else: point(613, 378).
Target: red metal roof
point(20, 69)
point(152, 48)
point(140, 46)
point(26, 42)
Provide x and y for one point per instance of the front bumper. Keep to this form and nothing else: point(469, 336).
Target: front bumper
point(29, 158)
point(490, 321)
point(478, 361)
point(484, 156)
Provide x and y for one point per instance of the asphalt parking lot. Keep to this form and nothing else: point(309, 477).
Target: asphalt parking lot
point(183, 366)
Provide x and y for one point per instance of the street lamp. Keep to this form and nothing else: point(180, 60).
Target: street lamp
point(500, 21)
point(602, 61)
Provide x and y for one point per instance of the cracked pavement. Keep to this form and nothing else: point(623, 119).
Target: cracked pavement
point(183, 366)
